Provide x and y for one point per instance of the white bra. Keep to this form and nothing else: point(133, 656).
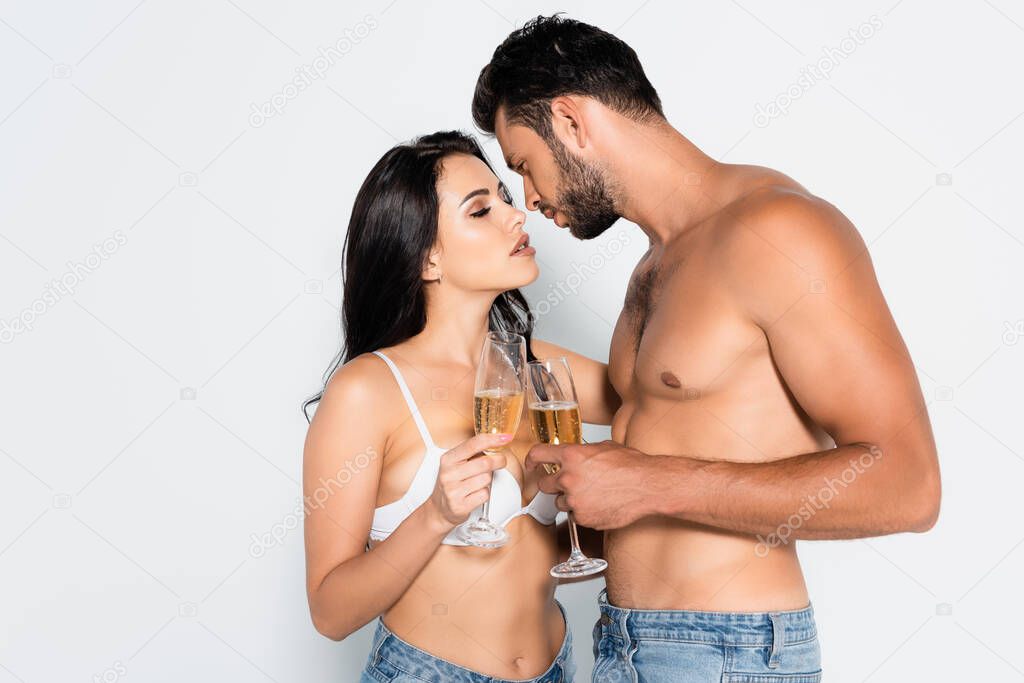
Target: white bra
point(506, 495)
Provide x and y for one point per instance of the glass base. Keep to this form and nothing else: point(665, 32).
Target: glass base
point(581, 566)
point(483, 533)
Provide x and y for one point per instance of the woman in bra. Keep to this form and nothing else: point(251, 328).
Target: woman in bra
point(433, 259)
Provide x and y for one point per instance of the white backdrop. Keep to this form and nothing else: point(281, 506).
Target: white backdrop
point(172, 206)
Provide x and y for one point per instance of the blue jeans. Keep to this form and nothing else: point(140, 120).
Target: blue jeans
point(392, 660)
point(683, 646)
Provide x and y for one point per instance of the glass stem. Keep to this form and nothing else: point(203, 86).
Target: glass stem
point(485, 509)
point(574, 540)
point(574, 536)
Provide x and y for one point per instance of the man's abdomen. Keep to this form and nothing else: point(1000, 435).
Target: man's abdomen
point(662, 563)
point(667, 563)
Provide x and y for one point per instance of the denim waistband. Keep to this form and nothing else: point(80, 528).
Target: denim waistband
point(722, 628)
point(416, 662)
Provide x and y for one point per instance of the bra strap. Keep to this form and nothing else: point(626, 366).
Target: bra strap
point(409, 401)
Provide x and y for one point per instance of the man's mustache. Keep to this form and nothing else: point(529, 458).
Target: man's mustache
point(543, 207)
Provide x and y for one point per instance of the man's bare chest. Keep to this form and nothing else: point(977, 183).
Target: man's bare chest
point(679, 333)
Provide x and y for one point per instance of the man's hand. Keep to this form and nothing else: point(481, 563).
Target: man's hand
point(603, 484)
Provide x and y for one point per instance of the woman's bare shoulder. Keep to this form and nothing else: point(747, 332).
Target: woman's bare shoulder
point(361, 388)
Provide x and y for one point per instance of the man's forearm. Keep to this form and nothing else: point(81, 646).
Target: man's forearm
point(850, 491)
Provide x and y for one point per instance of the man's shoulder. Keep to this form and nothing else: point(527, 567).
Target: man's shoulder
point(773, 216)
point(778, 242)
point(756, 195)
point(741, 181)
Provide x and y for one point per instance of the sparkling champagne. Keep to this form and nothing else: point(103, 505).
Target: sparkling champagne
point(556, 422)
point(497, 412)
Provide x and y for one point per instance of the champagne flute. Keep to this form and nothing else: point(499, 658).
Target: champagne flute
point(555, 417)
point(497, 409)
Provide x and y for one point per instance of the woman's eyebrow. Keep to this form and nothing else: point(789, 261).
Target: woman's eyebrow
point(474, 193)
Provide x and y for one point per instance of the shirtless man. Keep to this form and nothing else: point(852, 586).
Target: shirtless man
point(767, 395)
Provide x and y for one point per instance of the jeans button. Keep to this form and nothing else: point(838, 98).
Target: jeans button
point(606, 620)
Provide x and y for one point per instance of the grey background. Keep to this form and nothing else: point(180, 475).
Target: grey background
point(149, 421)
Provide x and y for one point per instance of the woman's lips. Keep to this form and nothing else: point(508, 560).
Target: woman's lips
point(526, 251)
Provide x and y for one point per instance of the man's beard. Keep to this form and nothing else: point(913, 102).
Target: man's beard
point(584, 197)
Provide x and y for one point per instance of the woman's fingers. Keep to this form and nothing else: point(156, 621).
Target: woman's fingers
point(464, 480)
point(473, 445)
point(477, 498)
point(485, 463)
point(473, 484)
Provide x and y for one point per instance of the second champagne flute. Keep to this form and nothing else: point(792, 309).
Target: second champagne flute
point(555, 417)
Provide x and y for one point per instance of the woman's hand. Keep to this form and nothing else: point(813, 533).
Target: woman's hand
point(463, 481)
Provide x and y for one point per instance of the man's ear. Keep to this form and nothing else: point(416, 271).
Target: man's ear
point(568, 122)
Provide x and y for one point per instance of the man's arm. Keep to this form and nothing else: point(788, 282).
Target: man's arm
point(802, 273)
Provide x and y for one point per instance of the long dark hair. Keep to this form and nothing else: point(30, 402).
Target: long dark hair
point(391, 231)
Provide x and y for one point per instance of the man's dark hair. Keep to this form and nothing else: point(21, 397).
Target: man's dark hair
point(553, 56)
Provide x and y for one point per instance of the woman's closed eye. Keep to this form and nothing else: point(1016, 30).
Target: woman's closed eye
point(506, 197)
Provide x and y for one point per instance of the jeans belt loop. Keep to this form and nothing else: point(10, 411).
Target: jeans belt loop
point(623, 627)
point(778, 639)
